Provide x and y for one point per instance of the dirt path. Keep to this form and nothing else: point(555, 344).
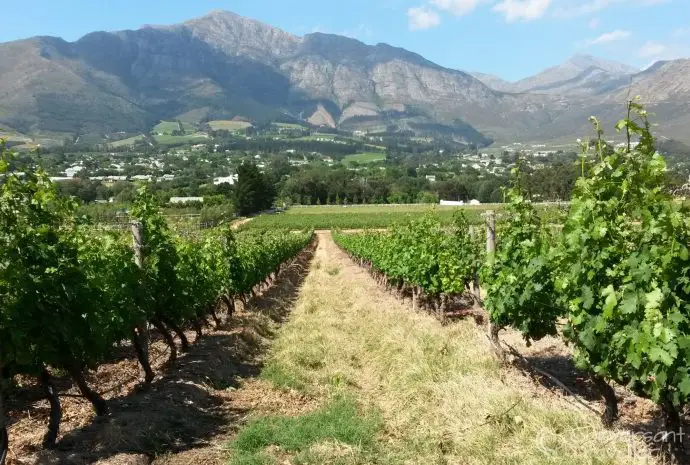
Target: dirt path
point(439, 392)
point(236, 224)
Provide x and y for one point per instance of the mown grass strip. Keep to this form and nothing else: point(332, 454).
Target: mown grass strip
point(339, 422)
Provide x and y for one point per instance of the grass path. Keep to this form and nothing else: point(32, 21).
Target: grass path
point(390, 386)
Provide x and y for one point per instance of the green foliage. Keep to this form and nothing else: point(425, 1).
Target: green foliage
point(423, 253)
point(260, 253)
point(49, 312)
point(519, 278)
point(625, 269)
point(253, 191)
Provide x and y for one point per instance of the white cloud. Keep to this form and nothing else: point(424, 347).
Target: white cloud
point(457, 7)
point(653, 49)
point(526, 10)
point(422, 17)
point(609, 37)
point(594, 23)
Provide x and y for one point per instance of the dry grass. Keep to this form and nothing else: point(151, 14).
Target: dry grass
point(442, 396)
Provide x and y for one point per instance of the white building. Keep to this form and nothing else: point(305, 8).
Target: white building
point(452, 203)
point(142, 177)
point(73, 170)
point(186, 199)
point(232, 179)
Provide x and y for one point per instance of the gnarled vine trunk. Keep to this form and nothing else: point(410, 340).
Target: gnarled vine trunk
point(180, 333)
point(99, 404)
point(230, 304)
point(50, 438)
point(674, 429)
point(610, 414)
point(215, 317)
point(141, 339)
point(496, 342)
point(169, 340)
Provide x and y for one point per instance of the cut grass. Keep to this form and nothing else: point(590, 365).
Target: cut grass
point(166, 127)
point(367, 157)
point(127, 142)
point(228, 125)
point(290, 126)
point(442, 395)
point(179, 140)
point(339, 422)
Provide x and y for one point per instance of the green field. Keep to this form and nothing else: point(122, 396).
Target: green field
point(166, 127)
point(366, 157)
point(179, 140)
point(358, 217)
point(227, 125)
point(289, 126)
point(379, 216)
point(127, 142)
point(189, 127)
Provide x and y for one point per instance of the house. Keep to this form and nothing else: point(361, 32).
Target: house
point(452, 203)
point(232, 179)
point(186, 199)
point(142, 177)
point(475, 202)
point(431, 178)
point(73, 170)
point(167, 177)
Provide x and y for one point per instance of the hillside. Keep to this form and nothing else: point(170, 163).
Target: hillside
point(223, 65)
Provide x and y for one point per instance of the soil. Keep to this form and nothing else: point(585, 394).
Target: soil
point(190, 411)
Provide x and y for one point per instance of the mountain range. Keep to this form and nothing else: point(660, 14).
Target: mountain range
point(222, 66)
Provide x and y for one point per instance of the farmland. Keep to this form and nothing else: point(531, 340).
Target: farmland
point(367, 157)
point(533, 334)
point(179, 140)
point(378, 216)
point(127, 142)
point(166, 127)
point(228, 125)
point(290, 126)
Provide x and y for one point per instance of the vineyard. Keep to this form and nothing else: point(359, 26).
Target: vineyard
point(70, 294)
point(614, 283)
point(351, 376)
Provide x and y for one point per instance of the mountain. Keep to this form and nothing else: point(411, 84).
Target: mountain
point(494, 82)
point(579, 71)
point(223, 65)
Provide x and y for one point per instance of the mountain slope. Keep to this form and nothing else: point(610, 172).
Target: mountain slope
point(494, 82)
point(577, 70)
point(223, 65)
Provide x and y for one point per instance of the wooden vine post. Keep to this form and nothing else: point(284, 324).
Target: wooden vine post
point(490, 232)
point(490, 251)
point(141, 337)
point(476, 287)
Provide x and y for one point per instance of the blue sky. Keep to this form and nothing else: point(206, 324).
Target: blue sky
point(509, 38)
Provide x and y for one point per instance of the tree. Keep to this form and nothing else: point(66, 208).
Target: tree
point(253, 192)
